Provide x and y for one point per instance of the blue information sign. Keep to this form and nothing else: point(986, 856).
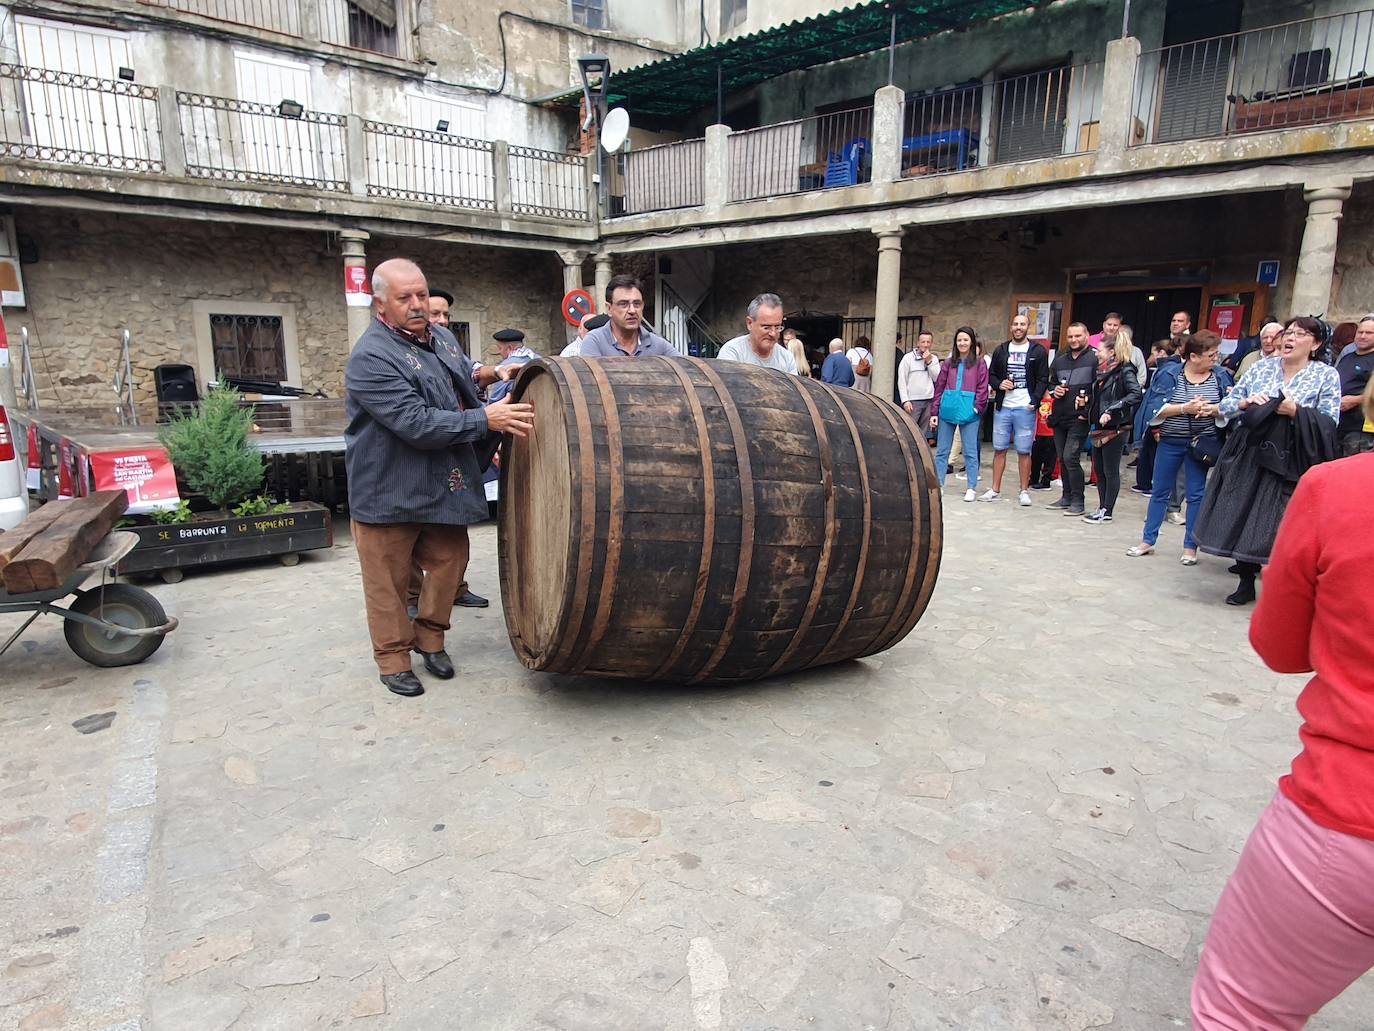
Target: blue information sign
point(1268, 273)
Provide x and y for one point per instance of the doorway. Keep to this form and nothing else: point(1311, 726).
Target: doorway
point(816, 330)
point(1147, 311)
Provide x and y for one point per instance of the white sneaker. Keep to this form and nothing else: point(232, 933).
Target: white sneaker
point(1057, 483)
point(1024, 499)
point(970, 495)
point(1177, 518)
point(990, 495)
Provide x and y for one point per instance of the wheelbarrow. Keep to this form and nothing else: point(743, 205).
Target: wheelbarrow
point(111, 624)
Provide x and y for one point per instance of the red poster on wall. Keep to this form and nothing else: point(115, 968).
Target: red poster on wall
point(146, 476)
point(357, 292)
point(1226, 321)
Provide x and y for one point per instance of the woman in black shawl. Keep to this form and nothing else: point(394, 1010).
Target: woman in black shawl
point(1283, 414)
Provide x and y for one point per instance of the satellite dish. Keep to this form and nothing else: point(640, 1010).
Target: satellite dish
point(615, 129)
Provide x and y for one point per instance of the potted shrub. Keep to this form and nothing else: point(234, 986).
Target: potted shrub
point(210, 450)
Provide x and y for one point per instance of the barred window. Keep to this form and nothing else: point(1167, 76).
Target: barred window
point(591, 13)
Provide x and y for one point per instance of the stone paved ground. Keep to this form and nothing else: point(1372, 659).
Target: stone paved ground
point(1019, 818)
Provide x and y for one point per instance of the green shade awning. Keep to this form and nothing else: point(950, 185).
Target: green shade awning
point(679, 86)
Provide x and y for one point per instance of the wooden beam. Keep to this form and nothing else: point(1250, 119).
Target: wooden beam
point(13, 542)
point(49, 558)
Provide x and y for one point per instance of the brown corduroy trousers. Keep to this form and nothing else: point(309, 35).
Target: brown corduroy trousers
point(386, 552)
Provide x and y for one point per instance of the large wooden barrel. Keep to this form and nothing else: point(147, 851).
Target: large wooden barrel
point(678, 520)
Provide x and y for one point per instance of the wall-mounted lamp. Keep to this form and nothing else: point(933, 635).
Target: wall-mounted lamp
point(127, 74)
point(595, 70)
point(442, 126)
point(290, 109)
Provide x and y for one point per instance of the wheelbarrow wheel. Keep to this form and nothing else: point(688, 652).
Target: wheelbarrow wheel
point(124, 605)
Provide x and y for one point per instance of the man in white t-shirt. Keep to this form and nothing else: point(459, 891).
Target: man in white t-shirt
point(759, 346)
point(1019, 375)
point(861, 357)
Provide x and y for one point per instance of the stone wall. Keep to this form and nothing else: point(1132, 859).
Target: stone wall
point(98, 273)
point(1353, 291)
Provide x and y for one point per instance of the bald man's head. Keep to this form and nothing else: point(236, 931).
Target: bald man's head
point(401, 295)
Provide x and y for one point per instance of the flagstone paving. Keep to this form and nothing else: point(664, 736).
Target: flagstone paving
point(1020, 817)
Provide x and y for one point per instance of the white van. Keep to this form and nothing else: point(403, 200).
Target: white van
point(14, 495)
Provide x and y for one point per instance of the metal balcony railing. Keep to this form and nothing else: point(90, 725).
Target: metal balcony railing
point(1311, 72)
point(660, 178)
point(423, 165)
point(282, 16)
point(379, 27)
point(821, 152)
point(72, 119)
point(941, 131)
point(548, 183)
point(240, 141)
point(1045, 114)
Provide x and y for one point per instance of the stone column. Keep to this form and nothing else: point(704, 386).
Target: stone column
point(173, 142)
point(1317, 257)
point(603, 277)
point(354, 256)
point(885, 310)
point(888, 105)
point(715, 168)
point(1116, 123)
point(500, 176)
point(355, 154)
point(572, 280)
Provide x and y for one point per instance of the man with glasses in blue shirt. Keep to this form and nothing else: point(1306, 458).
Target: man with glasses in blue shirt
point(625, 336)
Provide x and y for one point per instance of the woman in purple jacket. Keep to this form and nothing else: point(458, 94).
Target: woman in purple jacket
point(961, 394)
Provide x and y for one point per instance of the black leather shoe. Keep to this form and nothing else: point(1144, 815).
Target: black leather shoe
point(406, 684)
point(468, 600)
point(438, 663)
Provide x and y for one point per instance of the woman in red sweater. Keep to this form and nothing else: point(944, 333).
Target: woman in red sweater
point(1295, 924)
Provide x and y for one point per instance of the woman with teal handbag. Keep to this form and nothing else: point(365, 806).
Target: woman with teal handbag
point(961, 394)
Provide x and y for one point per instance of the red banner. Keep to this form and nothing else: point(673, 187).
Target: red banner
point(146, 476)
point(34, 472)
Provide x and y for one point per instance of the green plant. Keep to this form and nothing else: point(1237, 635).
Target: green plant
point(260, 505)
point(210, 449)
point(167, 516)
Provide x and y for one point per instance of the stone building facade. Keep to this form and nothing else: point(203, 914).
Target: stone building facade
point(94, 274)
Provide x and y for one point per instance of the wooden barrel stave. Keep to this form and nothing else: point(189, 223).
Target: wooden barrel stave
point(820, 559)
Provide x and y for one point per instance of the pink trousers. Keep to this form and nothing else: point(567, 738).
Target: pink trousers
point(1294, 927)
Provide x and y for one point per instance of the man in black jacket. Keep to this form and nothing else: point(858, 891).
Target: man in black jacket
point(1072, 378)
point(1019, 376)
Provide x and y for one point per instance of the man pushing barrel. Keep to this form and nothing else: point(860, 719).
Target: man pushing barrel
point(416, 443)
